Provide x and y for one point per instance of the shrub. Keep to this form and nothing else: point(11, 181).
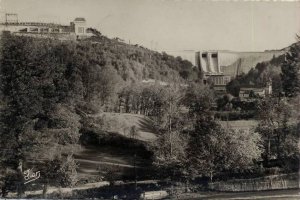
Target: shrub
point(61, 172)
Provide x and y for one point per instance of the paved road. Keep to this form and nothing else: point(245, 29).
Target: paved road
point(262, 195)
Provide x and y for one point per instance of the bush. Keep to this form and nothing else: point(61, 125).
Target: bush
point(272, 171)
point(61, 172)
point(10, 182)
point(234, 115)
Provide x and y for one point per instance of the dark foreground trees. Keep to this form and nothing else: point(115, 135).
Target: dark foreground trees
point(280, 131)
point(38, 120)
point(290, 69)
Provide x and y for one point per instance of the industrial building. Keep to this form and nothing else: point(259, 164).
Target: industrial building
point(251, 91)
point(220, 66)
point(76, 30)
point(209, 64)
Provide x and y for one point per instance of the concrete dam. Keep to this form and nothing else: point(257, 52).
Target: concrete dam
point(225, 62)
point(231, 63)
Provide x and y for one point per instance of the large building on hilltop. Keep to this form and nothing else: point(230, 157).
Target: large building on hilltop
point(76, 30)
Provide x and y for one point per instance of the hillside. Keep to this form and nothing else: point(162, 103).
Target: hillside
point(55, 81)
point(122, 123)
point(136, 63)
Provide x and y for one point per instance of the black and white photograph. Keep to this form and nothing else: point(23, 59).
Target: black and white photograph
point(150, 99)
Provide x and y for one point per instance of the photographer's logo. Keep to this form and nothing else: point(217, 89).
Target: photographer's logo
point(29, 175)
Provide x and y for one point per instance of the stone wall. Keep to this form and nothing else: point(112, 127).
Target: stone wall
point(285, 181)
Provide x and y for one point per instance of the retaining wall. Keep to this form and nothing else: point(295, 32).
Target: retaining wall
point(285, 181)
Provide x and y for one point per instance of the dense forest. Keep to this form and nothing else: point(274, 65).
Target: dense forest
point(135, 63)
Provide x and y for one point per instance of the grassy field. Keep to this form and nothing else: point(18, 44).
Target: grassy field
point(92, 159)
point(240, 124)
point(121, 123)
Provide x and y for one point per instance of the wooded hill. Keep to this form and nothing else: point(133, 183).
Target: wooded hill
point(136, 63)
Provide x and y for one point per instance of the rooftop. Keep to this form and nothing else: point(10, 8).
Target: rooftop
point(248, 90)
point(79, 19)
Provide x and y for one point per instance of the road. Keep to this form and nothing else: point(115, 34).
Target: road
point(261, 195)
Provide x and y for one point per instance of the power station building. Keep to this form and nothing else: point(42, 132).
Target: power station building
point(209, 64)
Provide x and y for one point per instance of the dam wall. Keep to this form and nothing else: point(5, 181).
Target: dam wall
point(231, 63)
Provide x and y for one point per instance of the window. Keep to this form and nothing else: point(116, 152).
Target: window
point(214, 55)
point(33, 29)
point(80, 30)
point(55, 30)
point(44, 30)
point(23, 30)
point(204, 55)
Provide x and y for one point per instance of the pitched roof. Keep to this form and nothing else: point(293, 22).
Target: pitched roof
point(254, 89)
point(79, 19)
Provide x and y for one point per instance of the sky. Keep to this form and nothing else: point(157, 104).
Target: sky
point(174, 25)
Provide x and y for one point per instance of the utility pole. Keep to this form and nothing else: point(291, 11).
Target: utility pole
point(135, 174)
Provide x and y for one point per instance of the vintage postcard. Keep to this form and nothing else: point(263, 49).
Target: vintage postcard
point(149, 99)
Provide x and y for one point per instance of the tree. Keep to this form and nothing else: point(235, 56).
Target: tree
point(233, 87)
point(290, 71)
point(94, 31)
point(279, 127)
point(274, 115)
point(133, 132)
point(277, 84)
point(171, 105)
point(170, 147)
point(107, 85)
point(170, 154)
point(243, 148)
point(35, 88)
point(213, 149)
point(224, 102)
point(60, 171)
